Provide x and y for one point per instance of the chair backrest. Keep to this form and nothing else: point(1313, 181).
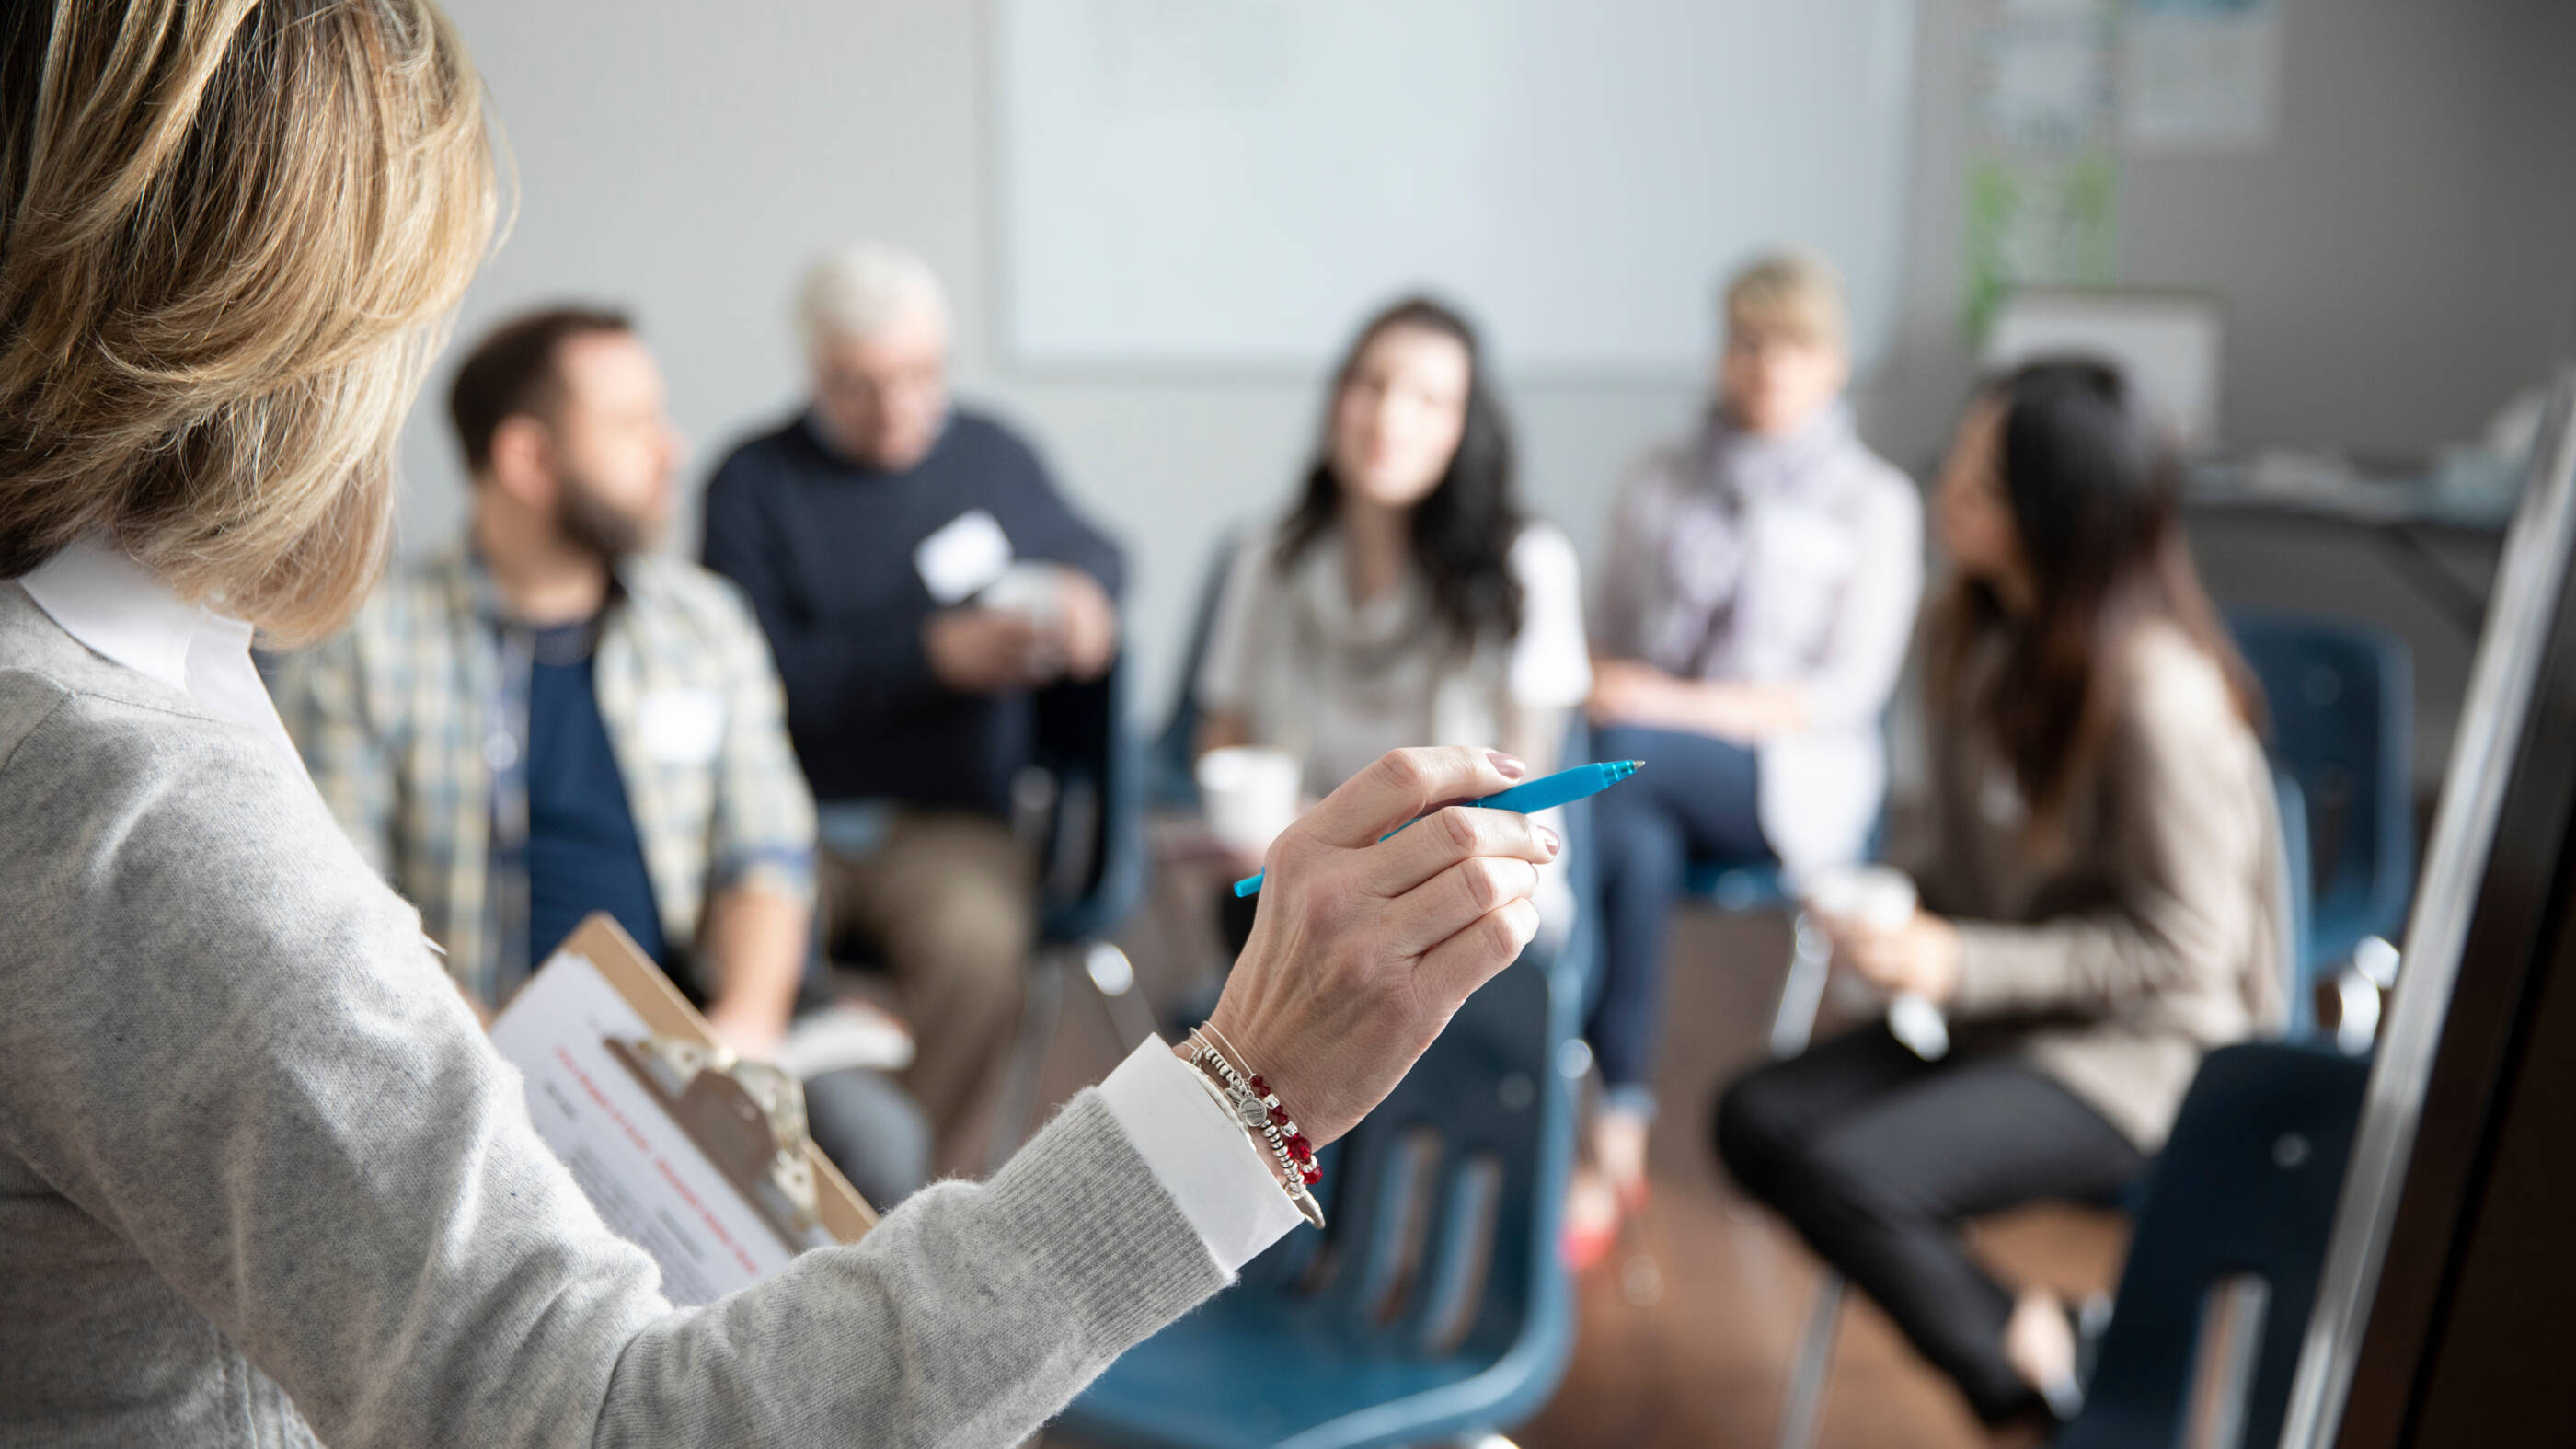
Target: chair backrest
point(1457, 1181)
point(2341, 697)
point(1432, 1307)
point(1095, 855)
point(2244, 1190)
point(1169, 757)
point(1439, 1191)
point(1434, 1304)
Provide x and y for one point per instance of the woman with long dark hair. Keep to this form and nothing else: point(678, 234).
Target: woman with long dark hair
point(1405, 597)
point(2101, 885)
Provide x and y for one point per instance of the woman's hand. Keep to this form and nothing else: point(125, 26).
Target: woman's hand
point(1627, 692)
point(1921, 956)
point(976, 650)
point(1364, 949)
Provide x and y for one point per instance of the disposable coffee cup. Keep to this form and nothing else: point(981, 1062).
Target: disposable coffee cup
point(1249, 793)
point(1883, 898)
point(1033, 589)
point(1878, 896)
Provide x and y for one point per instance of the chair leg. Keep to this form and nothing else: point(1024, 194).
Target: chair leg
point(1802, 993)
point(1802, 997)
point(1015, 1106)
point(1802, 1411)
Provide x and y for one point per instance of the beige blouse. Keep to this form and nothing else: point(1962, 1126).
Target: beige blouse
point(2156, 932)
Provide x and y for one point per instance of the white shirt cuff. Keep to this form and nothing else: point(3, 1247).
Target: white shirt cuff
point(1206, 1162)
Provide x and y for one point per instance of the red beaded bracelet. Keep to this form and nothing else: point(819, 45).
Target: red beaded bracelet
point(1259, 1110)
point(1298, 1148)
point(1249, 1100)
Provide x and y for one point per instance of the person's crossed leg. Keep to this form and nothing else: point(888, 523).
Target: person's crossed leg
point(1876, 1155)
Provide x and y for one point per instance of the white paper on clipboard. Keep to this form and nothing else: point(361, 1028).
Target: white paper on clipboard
point(650, 1181)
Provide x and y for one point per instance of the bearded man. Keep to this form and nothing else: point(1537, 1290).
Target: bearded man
point(549, 719)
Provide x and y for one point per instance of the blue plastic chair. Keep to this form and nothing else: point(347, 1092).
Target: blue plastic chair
point(2341, 697)
point(1434, 1305)
point(1092, 872)
point(1735, 885)
point(1099, 823)
point(2245, 1186)
point(1093, 859)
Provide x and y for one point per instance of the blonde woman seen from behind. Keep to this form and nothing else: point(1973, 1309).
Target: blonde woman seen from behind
point(262, 1180)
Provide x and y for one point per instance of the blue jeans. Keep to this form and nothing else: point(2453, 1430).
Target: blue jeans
point(1696, 799)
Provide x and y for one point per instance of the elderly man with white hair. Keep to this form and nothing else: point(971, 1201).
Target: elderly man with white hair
point(920, 579)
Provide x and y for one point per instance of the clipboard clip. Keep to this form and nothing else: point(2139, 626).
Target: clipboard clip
point(747, 1117)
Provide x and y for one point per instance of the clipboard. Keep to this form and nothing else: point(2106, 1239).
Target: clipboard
point(700, 1158)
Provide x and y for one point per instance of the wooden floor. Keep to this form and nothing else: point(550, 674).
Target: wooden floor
point(1687, 1332)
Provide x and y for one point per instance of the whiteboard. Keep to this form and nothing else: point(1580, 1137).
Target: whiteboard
point(1237, 183)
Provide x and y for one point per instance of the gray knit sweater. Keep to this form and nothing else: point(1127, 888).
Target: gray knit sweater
point(262, 1181)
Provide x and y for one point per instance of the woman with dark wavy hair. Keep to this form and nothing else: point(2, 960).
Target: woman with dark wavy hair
point(1405, 597)
point(2101, 881)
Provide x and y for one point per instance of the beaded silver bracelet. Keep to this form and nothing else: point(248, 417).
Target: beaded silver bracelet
point(1259, 1110)
point(1250, 1102)
point(1307, 1207)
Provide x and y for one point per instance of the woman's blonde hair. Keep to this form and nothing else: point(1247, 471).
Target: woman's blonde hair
point(231, 234)
point(1793, 291)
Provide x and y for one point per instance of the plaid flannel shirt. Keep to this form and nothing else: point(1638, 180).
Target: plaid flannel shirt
point(414, 724)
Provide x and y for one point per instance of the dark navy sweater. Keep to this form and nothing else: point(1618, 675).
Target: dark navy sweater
point(824, 549)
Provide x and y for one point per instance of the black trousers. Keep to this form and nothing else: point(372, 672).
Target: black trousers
point(1874, 1155)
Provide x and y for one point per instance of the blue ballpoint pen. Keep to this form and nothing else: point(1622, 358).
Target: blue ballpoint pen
point(1544, 793)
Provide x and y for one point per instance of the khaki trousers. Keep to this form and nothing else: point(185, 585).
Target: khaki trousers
point(949, 900)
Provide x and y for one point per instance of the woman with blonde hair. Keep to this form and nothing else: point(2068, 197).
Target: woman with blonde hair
point(261, 1178)
point(1753, 617)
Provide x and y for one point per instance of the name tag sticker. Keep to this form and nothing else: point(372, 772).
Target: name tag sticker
point(967, 553)
point(680, 726)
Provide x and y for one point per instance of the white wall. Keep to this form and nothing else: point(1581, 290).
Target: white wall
point(2402, 260)
point(687, 167)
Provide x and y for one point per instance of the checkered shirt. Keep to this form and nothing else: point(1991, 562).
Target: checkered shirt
point(414, 724)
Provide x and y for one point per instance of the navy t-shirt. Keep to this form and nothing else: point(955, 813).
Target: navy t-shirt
point(583, 852)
